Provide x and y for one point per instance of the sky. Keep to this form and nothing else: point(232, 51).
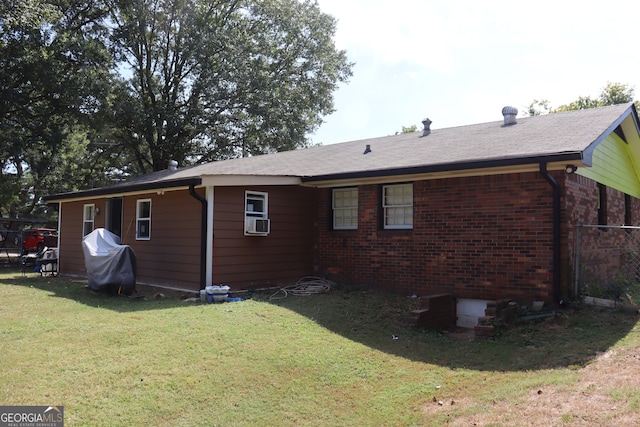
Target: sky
point(459, 62)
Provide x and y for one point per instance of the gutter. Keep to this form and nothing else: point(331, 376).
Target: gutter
point(556, 230)
point(449, 167)
point(203, 235)
point(123, 189)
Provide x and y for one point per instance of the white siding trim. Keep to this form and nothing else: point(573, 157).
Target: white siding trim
point(210, 242)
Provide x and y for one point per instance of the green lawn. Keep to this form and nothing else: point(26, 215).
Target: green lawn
point(322, 360)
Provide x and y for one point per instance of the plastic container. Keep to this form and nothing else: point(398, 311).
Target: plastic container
point(216, 298)
point(217, 290)
point(220, 297)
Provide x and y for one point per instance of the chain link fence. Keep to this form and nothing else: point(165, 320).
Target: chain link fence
point(607, 262)
point(10, 247)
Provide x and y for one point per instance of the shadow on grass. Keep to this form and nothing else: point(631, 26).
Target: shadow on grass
point(571, 339)
point(145, 298)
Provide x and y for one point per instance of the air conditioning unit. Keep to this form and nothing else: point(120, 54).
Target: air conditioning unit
point(259, 226)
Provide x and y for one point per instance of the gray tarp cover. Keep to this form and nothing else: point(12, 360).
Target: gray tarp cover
point(110, 265)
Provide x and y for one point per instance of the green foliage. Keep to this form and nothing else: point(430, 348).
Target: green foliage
point(220, 80)
point(611, 94)
point(409, 129)
point(616, 93)
point(623, 287)
point(98, 90)
point(16, 14)
point(583, 102)
point(538, 107)
point(55, 74)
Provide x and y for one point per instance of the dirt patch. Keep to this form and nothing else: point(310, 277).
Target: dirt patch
point(600, 396)
point(465, 334)
point(149, 292)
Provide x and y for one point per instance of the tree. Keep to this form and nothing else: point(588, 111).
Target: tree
point(538, 107)
point(92, 90)
point(616, 93)
point(54, 74)
point(220, 79)
point(611, 94)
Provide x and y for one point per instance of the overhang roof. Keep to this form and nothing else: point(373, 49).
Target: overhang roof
point(560, 137)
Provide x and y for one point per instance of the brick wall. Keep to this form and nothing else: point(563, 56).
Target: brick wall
point(478, 237)
point(602, 251)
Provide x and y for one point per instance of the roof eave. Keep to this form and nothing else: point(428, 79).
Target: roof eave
point(450, 167)
point(588, 152)
point(105, 191)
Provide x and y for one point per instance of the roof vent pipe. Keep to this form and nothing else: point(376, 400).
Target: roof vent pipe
point(427, 127)
point(367, 149)
point(509, 114)
point(173, 165)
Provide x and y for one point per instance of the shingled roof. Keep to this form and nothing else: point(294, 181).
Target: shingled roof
point(568, 136)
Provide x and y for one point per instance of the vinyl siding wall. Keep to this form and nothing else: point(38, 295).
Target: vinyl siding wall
point(613, 166)
point(172, 255)
point(70, 233)
point(280, 258)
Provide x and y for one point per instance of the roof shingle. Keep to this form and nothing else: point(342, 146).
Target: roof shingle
point(568, 133)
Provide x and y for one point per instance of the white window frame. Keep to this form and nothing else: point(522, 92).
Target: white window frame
point(143, 219)
point(253, 210)
point(344, 204)
point(397, 206)
point(88, 218)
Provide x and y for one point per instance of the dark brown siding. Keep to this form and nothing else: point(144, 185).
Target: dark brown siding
point(172, 256)
point(71, 256)
point(280, 258)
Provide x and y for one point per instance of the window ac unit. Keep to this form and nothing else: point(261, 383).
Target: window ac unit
point(257, 226)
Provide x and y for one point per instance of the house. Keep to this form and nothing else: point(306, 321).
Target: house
point(484, 211)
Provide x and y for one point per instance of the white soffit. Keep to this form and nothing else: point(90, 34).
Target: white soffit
point(240, 180)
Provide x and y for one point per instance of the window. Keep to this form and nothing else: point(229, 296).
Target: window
point(397, 204)
point(88, 218)
point(143, 219)
point(345, 208)
point(256, 214)
point(602, 205)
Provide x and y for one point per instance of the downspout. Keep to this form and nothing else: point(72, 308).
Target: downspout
point(556, 231)
point(203, 235)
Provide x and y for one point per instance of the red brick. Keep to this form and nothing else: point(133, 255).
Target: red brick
point(485, 237)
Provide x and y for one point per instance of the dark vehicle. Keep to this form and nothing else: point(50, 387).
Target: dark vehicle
point(36, 239)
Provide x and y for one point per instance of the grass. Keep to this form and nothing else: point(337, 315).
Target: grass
point(323, 360)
